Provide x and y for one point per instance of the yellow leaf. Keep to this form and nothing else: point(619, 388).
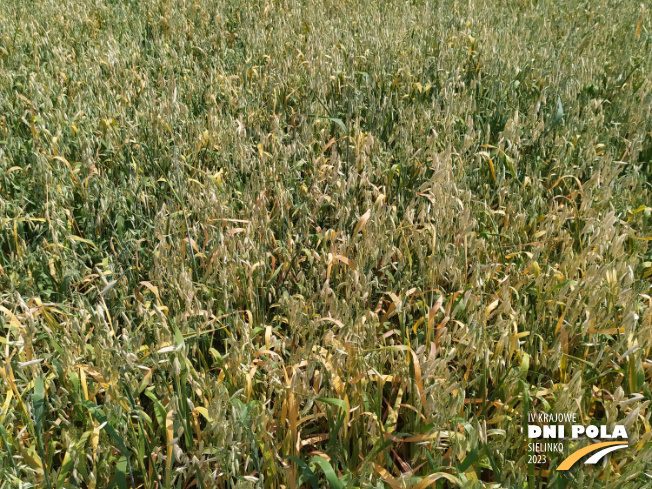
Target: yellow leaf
point(152, 288)
point(491, 307)
point(333, 320)
point(427, 481)
point(204, 412)
point(169, 433)
point(610, 331)
point(417, 324)
point(362, 222)
point(491, 163)
point(345, 260)
point(387, 477)
point(268, 337)
point(82, 240)
point(5, 406)
point(13, 320)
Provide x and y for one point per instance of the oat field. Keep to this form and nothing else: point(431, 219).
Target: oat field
point(322, 243)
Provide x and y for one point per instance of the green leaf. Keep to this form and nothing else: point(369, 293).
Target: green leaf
point(331, 477)
point(159, 410)
point(98, 414)
point(334, 402)
point(121, 473)
point(559, 115)
point(178, 337)
point(66, 467)
point(340, 123)
point(469, 460)
point(307, 473)
point(39, 402)
point(5, 442)
point(339, 421)
point(68, 463)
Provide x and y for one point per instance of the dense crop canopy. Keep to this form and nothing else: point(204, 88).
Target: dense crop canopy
point(310, 243)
